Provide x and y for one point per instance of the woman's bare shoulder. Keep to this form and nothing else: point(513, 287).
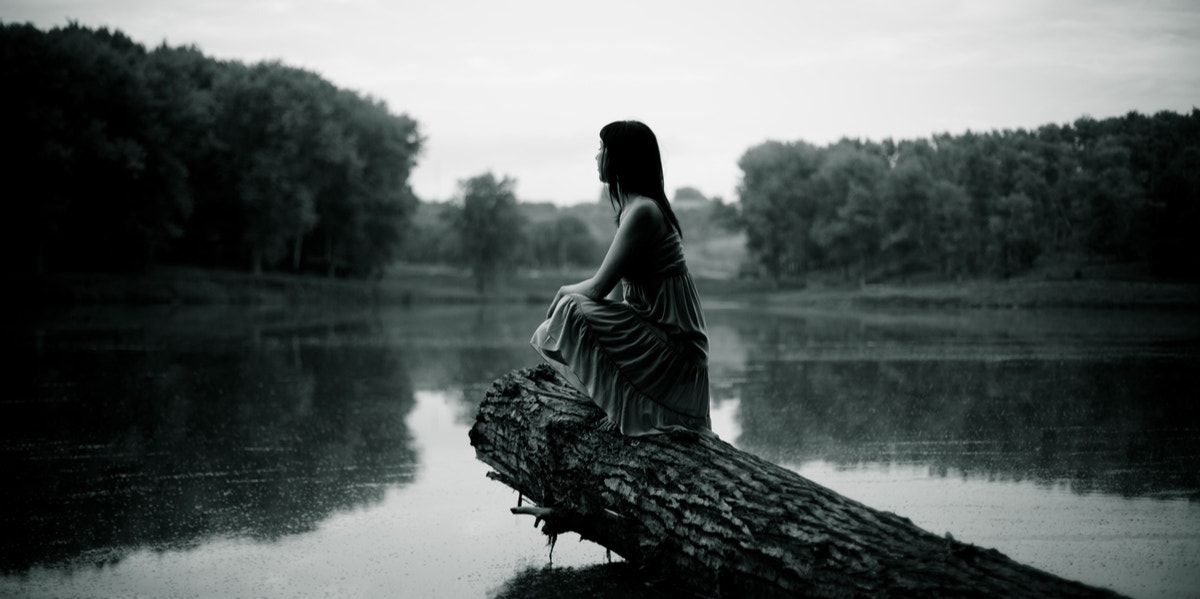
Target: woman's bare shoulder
point(643, 213)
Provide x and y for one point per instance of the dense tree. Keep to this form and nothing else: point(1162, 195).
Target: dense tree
point(777, 205)
point(1012, 240)
point(78, 148)
point(564, 240)
point(952, 236)
point(1111, 201)
point(848, 226)
point(725, 216)
point(183, 113)
point(979, 203)
point(1173, 182)
point(489, 227)
point(122, 158)
point(905, 214)
point(365, 204)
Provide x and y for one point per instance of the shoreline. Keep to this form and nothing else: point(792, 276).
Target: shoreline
point(996, 295)
point(422, 286)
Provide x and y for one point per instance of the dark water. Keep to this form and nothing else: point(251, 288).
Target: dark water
point(234, 452)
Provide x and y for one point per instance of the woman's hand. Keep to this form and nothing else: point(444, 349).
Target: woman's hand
point(581, 288)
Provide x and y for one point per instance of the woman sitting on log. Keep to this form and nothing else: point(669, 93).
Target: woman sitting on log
point(643, 360)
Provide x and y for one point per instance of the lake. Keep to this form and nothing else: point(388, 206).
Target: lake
point(267, 452)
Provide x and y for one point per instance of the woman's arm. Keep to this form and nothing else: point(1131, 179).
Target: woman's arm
point(638, 226)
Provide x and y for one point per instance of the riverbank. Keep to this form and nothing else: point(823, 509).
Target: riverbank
point(1017, 294)
point(425, 285)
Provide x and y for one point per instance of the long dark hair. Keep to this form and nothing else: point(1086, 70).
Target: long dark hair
point(632, 164)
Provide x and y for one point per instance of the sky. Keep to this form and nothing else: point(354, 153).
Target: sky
point(521, 88)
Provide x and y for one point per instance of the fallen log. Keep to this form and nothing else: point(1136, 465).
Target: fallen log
point(714, 520)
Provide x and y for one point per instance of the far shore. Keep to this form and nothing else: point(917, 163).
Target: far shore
point(420, 285)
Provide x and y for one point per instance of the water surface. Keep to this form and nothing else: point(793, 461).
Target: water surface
point(233, 452)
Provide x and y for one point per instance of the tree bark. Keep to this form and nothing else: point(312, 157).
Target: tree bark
point(717, 521)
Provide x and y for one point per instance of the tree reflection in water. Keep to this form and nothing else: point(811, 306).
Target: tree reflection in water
point(976, 402)
point(199, 428)
point(128, 437)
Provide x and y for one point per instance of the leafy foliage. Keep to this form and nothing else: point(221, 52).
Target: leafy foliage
point(778, 206)
point(562, 241)
point(1122, 189)
point(122, 158)
point(548, 237)
point(489, 227)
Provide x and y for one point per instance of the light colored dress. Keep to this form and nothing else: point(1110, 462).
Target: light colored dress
point(643, 360)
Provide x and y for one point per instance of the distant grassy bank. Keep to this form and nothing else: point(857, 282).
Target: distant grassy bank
point(189, 286)
point(424, 285)
point(166, 286)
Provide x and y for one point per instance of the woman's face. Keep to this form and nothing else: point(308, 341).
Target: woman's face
point(601, 156)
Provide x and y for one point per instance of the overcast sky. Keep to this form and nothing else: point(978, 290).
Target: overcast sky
point(522, 88)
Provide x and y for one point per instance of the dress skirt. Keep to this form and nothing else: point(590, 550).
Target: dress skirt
point(646, 368)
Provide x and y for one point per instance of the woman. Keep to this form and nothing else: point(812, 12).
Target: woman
point(643, 360)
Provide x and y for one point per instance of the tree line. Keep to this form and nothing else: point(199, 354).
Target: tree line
point(978, 204)
point(487, 230)
point(119, 157)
